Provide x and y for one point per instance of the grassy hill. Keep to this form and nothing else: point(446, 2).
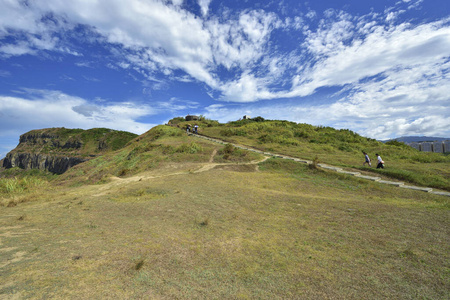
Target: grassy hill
point(336, 147)
point(172, 216)
point(165, 144)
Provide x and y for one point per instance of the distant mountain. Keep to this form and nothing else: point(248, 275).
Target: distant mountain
point(411, 139)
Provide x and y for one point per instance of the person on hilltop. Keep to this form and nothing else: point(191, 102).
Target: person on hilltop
point(367, 159)
point(195, 128)
point(380, 162)
point(188, 128)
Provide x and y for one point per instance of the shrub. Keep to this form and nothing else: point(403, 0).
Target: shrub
point(124, 172)
point(176, 120)
point(301, 134)
point(228, 149)
point(397, 143)
point(345, 147)
point(160, 131)
point(20, 185)
point(139, 264)
point(314, 164)
point(205, 222)
point(233, 131)
point(258, 119)
point(277, 139)
point(189, 148)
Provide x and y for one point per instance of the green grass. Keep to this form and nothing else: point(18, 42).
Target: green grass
point(338, 147)
point(18, 190)
point(159, 147)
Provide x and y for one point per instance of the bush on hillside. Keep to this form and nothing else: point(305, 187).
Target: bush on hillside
point(189, 148)
point(161, 130)
point(176, 120)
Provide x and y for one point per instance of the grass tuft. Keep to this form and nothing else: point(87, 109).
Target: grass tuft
point(205, 222)
point(191, 148)
point(139, 264)
point(123, 172)
point(314, 164)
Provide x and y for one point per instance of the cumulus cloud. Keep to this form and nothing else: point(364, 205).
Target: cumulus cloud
point(43, 109)
point(390, 75)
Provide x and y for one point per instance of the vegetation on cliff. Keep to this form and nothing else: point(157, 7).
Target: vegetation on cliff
point(73, 142)
point(58, 149)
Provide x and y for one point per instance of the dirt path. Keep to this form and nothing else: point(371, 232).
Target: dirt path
point(332, 168)
point(211, 159)
point(202, 167)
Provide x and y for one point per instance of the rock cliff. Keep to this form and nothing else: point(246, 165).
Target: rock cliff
point(54, 164)
point(58, 149)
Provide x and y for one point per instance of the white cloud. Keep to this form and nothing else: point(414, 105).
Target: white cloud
point(4, 73)
point(428, 126)
point(175, 104)
point(161, 37)
point(177, 2)
point(311, 14)
point(204, 6)
point(55, 109)
point(241, 42)
point(387, 72)
point(17, 49)
point(14, 15)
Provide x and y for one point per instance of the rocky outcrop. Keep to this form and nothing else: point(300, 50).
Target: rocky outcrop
point(54, 164)
point(58, 149)
point(33, 137)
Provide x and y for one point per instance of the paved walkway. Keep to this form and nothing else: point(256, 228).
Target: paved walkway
point(329, 167)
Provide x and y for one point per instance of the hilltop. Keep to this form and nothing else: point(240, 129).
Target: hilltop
point(172, 216)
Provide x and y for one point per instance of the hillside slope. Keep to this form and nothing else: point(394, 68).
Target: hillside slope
point(161, 147)
point(335, 147)
point(169, 145)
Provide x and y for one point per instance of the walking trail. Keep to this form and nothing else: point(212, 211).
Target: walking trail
point(329, 167)
point(116, 181)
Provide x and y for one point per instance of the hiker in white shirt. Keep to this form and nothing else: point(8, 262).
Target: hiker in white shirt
point(380, 162)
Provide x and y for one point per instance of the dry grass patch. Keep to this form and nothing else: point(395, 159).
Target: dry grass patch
point(285, 232)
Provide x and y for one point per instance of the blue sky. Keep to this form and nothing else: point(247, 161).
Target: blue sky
point(380, 68)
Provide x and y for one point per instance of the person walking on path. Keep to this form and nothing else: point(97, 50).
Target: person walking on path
point(380, 162)
point(367, 159)
point(195, 128)
point(188, 128)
